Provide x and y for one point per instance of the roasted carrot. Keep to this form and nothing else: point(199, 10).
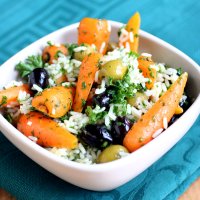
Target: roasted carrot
point(86, 77)
point(54, 102)
point(94, 31)
point(46, 131)
point(51, 52)
point(61, 79)
point(147, 70)
point(132, 37)
point(11, 94)
point(154, 119)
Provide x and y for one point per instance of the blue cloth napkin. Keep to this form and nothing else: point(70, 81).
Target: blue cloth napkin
point(177, 22)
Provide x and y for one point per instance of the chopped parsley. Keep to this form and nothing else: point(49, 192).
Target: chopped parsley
point(83, 101)
point(83, 85)
point(31, 63)
point(49, 43)
point(71, 48)
point(94, 117)
point(179, 71)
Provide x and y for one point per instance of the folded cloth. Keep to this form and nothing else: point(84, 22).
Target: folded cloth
point(166, 179)
point(26, 21)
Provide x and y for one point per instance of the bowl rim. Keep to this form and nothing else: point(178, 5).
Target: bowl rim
point(17, 135)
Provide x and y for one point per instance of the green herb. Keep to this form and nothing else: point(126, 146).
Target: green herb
point(134, 54)
point(83, 85)
point(83, 102)
point(136, 35)
point(3, 100)
point(123, 89)
point(63, 118)
point(105, 144)
point(57, 54)
point(120, 31)
point(94, 117)
point(179, 71)
point(151, 72)
point(71, 48)
point(49, 43)
point(31, 63)
point(9, 118)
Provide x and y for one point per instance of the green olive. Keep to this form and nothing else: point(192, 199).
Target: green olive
point(111, 153)
point(81, 54)
point(114, 69)
point(132, 100)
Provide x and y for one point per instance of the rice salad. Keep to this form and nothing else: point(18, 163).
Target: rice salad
point(120, 94)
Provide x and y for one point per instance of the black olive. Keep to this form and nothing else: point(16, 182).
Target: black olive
point(119, 129)
point(104, 99)
point(96, 136)
point(185, 104)
point(38, 76)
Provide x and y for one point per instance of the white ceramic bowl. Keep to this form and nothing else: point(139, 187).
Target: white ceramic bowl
point(109, 175)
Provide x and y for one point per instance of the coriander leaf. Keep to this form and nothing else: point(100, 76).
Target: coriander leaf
point(26, 67)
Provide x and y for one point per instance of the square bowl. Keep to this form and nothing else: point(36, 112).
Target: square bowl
point(104, 177)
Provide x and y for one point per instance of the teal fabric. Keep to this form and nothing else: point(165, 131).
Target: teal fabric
point(176, 21)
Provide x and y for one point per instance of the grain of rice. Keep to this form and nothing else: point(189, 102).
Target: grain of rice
point(165, 123)
point(37, 88)
point(128, 46)
point(131, 37)
point(81, 48)
point(157, 133)
point(109, 27)
point(13, 83)
point(102, 47)
point(146, 55)
point(29, 123)
point(32, 138)
point(96, 76)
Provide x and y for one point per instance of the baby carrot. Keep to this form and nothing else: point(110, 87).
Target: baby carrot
point(132, 28)
point(11, 94)
point(54, 102)
point(153, 120)
point(94, 31)
point(147, 71)
point(86, 77)
point(46, 131)
point(51, 52)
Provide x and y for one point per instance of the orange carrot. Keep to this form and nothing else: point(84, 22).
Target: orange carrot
point(94, 31)
point(86, 77)
point(153, 120)
point(46, 131)
point(11, 94)
point(61, 79)
point(148, 72)
point(50, 53)
point(132, 27)
point(54, 102)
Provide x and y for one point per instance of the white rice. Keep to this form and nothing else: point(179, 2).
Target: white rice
point(13, 83)
point(157, 133)
point(37, 88)
point(81, 154)
point(32, 138)
point(165, 123)
point(81, 48)
point(25, 102)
